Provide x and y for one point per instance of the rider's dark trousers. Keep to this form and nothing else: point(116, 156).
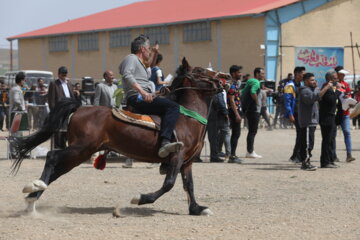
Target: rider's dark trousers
point(165, 108)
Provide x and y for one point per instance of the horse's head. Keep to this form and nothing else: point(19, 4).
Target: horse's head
point(200, 79)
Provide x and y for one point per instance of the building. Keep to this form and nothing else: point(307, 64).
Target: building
point(251, 33)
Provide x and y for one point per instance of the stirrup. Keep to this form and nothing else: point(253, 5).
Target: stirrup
point(165, 150)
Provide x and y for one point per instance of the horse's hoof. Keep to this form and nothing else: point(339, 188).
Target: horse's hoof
point(116, 212)
point(34, 186)
point(136, 200)
point(30, 209)
point(206, 212)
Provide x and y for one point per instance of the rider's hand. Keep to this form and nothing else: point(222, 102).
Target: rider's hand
point(147, 96)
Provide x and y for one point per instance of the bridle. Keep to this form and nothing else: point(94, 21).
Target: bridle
point(201, 78)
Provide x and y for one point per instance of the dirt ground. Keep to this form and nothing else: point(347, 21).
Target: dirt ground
point(268, 198)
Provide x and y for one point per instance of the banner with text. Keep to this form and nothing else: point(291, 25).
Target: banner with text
point(319, 60)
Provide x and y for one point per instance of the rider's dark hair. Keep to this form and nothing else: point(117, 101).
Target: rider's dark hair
point(20, 76)
point(234, 68)
point(138, 42)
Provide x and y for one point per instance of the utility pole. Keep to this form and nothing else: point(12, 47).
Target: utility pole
point(353, 60)
point(11, 56)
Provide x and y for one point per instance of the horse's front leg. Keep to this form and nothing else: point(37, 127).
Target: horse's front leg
point(176, 160)
point(194, 208)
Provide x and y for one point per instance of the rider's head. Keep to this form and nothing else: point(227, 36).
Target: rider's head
point(141, 47)
point(138, 43)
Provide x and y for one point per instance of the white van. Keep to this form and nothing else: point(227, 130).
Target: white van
point(31, 77)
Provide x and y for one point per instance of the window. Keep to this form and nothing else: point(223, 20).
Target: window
point(88, 42)
point(200, 31)
point(158, 34)
point(58, 44)
point(120, 38)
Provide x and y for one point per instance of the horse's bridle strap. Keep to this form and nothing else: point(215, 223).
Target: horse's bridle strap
point(193, 114)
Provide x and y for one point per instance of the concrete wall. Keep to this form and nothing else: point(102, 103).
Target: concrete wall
point(240, 43)
point(329, 25)
point(233, 41)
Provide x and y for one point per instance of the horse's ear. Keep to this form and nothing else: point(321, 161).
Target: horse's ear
point(186, 65)
point(186, 83)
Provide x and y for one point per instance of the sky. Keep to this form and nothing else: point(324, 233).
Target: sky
point(21, 16)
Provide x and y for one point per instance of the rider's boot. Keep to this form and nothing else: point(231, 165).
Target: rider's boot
point(168, 147)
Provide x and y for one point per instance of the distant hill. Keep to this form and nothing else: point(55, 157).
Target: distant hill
point(5, 60)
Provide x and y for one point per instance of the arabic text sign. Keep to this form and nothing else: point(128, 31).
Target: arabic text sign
point(319, 60)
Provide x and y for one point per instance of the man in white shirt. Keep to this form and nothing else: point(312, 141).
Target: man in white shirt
point(17, 104)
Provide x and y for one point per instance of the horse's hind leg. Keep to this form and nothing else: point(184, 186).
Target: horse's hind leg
point(57, 163)
point(173, 170)
point(194, 208)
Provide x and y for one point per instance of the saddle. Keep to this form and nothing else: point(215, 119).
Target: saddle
point(148, 121)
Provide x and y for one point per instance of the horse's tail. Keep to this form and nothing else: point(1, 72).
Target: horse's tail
point(53, 123)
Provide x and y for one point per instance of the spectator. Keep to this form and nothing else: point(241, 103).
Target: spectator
point(327, 121)
point(3, 99)
point(59, 89)
point(250, 103)
point(41, 101)
point(291, 107)
point(77, 92)
point(104, 92)
point(357, 98)
point(32, 109)
point(278, 100)
point(157, 76)
point(224, 126)
point(264, 108)
point(245, 78)
point(233, 101)
point(283, 82)
point(17, 104)
point(309, 96)
point(343, 115)
point(218, 117)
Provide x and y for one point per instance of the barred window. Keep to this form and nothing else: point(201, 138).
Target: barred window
point(120, 38)
point(58, 44)
point(194, 32)
point(158, 34)
point(88, 42)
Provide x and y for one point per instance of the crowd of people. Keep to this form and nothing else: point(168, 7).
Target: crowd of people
point(299, 102)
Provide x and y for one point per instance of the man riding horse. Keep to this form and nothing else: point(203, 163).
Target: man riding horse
point(139, 94)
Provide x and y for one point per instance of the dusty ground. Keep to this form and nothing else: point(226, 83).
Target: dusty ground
point(260, 199)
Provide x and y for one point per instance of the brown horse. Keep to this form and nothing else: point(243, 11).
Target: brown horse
point(92, 129)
